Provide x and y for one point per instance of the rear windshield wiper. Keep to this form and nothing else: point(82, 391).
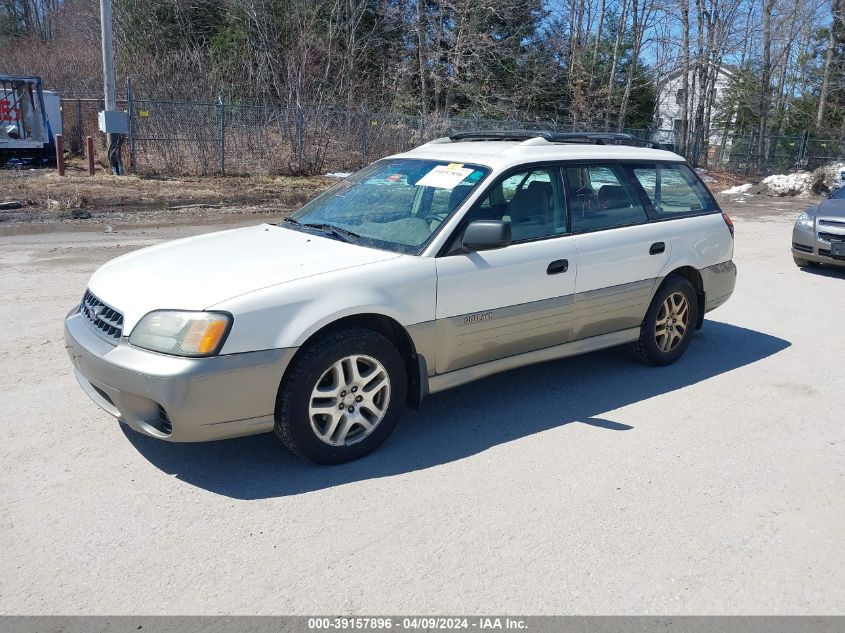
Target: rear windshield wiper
point(343, 234)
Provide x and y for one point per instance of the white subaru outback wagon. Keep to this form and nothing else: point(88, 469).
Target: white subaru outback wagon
point(464, 257)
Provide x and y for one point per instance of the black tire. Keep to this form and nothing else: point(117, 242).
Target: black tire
point(803, 263)
point(293, 426)
point(646, 348)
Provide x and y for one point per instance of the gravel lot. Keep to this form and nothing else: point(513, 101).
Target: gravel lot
point(591, 485)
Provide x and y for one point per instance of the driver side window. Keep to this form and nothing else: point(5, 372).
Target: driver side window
point(530, 200)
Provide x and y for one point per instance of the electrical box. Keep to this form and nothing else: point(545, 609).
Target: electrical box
point(114, 122)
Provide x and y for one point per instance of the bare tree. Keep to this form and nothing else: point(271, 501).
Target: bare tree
point(837, 9)
point(422, 48)
point(640, 17)
point(611, 78)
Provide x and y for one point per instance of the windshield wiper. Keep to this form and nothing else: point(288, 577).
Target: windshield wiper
point(338, 232)
point(342, 234)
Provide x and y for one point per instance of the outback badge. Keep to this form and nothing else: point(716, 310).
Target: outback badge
point(480, 316)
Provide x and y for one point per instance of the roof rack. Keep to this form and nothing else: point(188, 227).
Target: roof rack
point(595, 138)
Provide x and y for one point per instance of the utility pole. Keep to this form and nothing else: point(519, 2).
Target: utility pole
point(108, 54)
point(112, 138)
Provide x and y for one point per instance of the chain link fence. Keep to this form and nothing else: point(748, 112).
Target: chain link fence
point(197, 138)
point(778, 154)
point(181, 138)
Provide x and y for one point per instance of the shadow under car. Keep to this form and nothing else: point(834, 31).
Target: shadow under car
point(464, 421)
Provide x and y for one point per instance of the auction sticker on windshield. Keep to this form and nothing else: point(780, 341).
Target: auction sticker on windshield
point(445, 176)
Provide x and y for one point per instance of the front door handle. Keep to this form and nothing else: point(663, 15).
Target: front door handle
point(657, 247)
point(558, 266)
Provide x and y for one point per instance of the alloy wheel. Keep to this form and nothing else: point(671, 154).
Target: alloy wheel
point(672, 322)
point(349, 400)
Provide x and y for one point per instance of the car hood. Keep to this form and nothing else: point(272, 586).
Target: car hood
point(831, 208)
point(198, 272)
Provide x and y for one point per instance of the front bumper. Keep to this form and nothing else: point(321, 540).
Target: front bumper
point(177, 399)
point(807, 245)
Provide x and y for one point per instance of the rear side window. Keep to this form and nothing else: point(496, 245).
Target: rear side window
point(673, 189)
point(600, 198)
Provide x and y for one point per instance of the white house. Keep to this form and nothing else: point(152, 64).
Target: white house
point(670, 97)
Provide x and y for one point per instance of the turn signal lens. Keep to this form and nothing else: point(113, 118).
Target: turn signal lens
point(729, 222)
point(205, 336)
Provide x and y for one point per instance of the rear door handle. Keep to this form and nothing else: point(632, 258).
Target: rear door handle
point(657, 247)
point(558, 266)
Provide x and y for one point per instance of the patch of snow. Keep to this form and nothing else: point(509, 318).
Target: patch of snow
point(340, 175)
point(826, 173)
point(798, 184)
point(738, 189)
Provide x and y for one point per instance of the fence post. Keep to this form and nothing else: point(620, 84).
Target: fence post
point(89, 154)
point(300, 124)
point(222, 119)
point(60, 155)
point(365, 137)
point(748, 152)
point(79, 133)
point(130, 106)
point(805, 138)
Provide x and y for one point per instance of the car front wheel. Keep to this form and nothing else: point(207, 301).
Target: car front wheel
point(341, 397)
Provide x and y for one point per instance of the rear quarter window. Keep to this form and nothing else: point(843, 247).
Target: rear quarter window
point(672, 188)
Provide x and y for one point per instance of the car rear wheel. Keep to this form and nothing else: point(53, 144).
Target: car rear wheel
point(803, 263)
point(341, 397)
point(669, 324)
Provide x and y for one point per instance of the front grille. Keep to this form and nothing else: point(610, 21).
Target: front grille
point(824, 251)
point(106, 321)
point(832, 223)
point(826, 237)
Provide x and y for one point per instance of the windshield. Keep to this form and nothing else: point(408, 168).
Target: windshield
point(838, 194)
point(395, 204)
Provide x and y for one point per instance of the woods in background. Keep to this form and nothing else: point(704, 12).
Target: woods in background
point(594, 64)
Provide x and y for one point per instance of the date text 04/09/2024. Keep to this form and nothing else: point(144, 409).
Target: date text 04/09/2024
point(416, 623)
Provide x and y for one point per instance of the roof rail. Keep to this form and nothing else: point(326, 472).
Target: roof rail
point(595, 138)
point(499, 135)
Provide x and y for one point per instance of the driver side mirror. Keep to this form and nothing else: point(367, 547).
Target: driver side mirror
point(485, 235)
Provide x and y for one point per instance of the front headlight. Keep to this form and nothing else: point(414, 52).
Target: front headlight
point(805, 222)
point(182, 333)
